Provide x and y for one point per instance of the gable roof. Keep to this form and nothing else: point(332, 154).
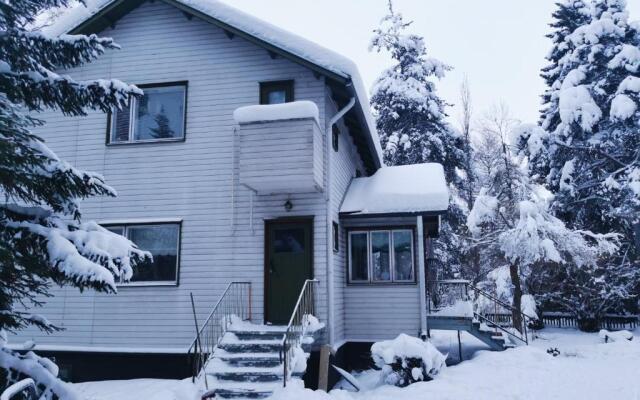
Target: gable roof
point(341, 73)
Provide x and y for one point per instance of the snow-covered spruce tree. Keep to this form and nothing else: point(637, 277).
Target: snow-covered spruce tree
point(511, 221)
point(43, 241)
point(410, 118)
point(588, 153)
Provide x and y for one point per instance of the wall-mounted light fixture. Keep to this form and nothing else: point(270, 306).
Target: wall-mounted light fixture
point(288, 205)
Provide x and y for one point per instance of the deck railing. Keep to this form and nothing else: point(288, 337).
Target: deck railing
point(292, 338)
point(487, 308)
point(235, 302)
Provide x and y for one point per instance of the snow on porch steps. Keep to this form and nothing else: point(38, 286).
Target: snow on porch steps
point(247, 364)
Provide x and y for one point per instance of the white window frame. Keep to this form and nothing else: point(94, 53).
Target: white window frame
point(125, 233)
point(133, 114)
point(370, 277)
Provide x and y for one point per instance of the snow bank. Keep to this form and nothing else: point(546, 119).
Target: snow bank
point(618, 336)
point(406, 188)
point(277, 112)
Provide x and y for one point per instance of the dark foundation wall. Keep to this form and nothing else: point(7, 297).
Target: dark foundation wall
point(82, 367)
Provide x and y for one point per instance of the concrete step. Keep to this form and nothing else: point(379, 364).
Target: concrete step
point(238, 394)
point(262, 362)
point(251, 376)
point(258, 335)
point(251, 347)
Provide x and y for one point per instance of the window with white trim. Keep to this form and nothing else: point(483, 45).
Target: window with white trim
point(159, 115)
point(381, 256)
point(162, 240)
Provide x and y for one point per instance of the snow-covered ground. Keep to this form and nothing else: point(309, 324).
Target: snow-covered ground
point(586, 368)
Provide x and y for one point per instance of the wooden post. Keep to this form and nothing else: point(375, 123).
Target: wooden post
point(323, 373)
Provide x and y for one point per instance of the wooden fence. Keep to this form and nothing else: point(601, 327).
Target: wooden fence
point(610, 322)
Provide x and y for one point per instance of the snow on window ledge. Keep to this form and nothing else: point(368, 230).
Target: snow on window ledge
point(277, 112)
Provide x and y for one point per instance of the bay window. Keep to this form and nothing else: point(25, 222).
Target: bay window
point(381, 256)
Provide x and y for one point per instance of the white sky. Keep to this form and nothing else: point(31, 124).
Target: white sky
point(498, 44)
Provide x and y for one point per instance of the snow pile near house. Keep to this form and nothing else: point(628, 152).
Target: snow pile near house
point(406, 188)
point(311, 324)
point(139, 389)
point(406, 360)
point(277, 112)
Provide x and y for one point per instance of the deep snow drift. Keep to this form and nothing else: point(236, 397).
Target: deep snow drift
point(585, 369)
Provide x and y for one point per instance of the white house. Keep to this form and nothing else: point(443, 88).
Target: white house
point(252, 157)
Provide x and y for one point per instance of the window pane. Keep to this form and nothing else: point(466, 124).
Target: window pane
point(359, 259)
point(120, 125)
point(380, 259)
point(118, 230)
point(289, 240)
point(276, 96)
point(162, 242)
point(160, 114)
point(402, 257)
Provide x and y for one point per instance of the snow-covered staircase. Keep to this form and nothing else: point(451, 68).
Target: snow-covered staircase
point(246, 364)
point(492, 337)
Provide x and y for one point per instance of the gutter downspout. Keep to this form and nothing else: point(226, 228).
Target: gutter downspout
point(424, 328)
point(329, 216)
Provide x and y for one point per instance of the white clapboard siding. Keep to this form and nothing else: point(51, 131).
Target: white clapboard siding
point(195, 180)
point(281, 156)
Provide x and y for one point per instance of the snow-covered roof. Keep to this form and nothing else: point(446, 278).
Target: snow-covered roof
point(290, 43)
point(276, 112)
point(416, 189)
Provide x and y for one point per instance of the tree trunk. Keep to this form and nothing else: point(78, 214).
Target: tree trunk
point(516, 314)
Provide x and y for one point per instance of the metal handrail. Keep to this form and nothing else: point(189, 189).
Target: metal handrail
point(305, 307)
point(459, 290)
point(524, 318)
point(234, 301)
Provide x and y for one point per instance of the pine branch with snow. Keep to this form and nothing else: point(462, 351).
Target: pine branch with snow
point(587, 150)
point(43, 240)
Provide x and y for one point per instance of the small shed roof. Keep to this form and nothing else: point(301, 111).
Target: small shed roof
point(406, 189)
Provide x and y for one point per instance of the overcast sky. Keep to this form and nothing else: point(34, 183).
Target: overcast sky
point(498, 44)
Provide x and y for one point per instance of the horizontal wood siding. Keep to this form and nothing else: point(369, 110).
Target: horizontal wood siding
point(195, 180)
point(345, 163)
point(381, 312)
point(281, 156)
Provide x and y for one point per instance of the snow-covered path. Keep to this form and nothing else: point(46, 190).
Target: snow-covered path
point(586, 369)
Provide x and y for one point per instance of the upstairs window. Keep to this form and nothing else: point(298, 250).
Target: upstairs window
point(159, 115)
point(381, 256)
point(162, 241)
point(276, 92)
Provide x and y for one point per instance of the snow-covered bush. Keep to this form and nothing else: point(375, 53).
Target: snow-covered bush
point(406, 360)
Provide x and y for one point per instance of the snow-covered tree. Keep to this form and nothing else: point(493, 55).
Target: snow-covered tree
point(43, 241)
point(511, 221)
point(588, 152)
point(410, 118)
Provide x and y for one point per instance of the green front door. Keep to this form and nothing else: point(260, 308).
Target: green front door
point(288, 263)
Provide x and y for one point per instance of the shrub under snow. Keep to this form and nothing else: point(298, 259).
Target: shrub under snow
point(406, 360)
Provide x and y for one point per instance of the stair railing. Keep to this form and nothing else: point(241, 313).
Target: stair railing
point(235, 302)
point(292, 338)
point(443, 293)
point(493, 320)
